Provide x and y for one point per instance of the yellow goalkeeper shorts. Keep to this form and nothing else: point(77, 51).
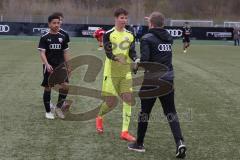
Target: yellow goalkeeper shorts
point(114, 86)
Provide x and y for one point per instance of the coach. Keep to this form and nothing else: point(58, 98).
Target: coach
point(156, 47)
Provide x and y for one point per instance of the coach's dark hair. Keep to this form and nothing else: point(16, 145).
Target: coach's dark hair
point(59, 14)
point(157, 19)
point(52, 17)
point(120, 11)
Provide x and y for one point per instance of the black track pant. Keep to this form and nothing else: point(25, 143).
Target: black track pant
point(168, 106)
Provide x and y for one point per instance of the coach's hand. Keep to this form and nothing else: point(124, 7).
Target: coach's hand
point(49, 68)
point(135, 65)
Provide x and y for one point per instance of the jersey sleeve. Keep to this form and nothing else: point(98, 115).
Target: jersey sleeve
point(132, 50)
point(42, 46)
point(67, 38)
point(108, 46)
point(65, 44)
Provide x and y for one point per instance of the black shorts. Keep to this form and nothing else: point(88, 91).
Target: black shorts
point(59, 76)
point(186, 40)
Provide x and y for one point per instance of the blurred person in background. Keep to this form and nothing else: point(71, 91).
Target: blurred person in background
point(236, 36)
point(98, 34)
point(186, 36)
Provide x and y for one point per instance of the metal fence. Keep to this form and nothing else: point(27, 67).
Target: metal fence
point(193, 23)
point(76, 19)
point(110, 20)
point(70, 19)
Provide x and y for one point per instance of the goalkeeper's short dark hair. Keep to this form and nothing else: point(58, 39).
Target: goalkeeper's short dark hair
point(59, 14)
point(120, 11)
point(157, 19)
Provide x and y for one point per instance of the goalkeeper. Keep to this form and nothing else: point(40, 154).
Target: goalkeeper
point(119, 46)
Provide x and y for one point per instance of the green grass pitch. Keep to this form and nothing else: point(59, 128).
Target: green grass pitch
point(207, 98)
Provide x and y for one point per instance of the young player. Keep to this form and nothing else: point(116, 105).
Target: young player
point(53, 49)
point(119, 46)
point(98, 34)
point(60, 15)
point(156, 47)
point(186, 36)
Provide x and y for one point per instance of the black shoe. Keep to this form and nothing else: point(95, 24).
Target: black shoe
point(181, 150)
point(136, 147)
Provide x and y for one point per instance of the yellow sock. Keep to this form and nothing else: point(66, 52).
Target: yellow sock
point(126, 116)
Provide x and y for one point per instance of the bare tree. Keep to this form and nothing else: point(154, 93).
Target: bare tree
point(74, 10)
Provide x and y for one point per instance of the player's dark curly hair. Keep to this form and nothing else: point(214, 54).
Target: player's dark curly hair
point(52, 17)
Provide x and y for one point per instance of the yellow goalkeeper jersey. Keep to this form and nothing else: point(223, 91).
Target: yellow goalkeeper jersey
point(118, 44)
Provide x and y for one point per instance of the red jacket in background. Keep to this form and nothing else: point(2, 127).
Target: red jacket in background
point(98, 34)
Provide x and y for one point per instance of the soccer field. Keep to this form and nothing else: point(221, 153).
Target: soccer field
point(207, 99)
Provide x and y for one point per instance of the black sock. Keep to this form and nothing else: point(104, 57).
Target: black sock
point(46, 100)
point(62, 97)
